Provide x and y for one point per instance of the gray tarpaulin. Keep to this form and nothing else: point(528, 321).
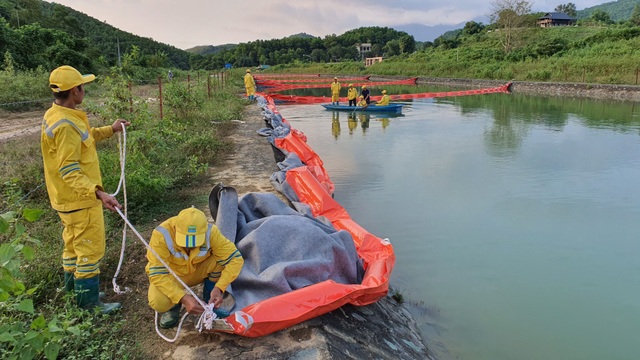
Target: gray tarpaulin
point(283, 250)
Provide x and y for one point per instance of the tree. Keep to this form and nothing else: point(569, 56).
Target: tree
point(601, 17)
point(508, 15)
point(635, 16)
point(568, 8)
point(407, 44)
point(472, 28)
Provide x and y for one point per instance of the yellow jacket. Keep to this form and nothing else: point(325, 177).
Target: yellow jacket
point(335, 87)
point(182, 263)
point(249, 81)
point(362, 103)
point(384, 100)
point(71, 167)
point(352, 93)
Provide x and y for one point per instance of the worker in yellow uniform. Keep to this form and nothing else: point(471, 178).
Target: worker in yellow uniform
point(361, 101)
point(352, 95)
point(384, 101)
point(250, 85)
point(197, 253)
point(74, 184)
point(335, 92)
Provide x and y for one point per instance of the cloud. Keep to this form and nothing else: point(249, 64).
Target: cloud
point(188, 23)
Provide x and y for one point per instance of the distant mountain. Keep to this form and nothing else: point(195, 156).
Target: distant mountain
point(618, 10)
point(301, 35)
point(423, 33)
point(210, 49)
point(213, 49)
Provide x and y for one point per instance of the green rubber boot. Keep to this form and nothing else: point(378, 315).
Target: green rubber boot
point(88, 296)
point(69, 283)
point(171, 318)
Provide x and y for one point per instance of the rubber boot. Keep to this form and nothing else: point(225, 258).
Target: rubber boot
point(171, 318)
point(88, 296)
point(69, 283)
point(206, 296)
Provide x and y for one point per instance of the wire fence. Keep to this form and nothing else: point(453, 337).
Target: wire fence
point(214, 82)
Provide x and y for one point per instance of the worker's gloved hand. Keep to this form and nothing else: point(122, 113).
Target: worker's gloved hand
point(191, 305)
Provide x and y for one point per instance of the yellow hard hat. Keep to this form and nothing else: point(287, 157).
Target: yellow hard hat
point(335, 78)
point(350, 85)
point(248, 70)
point(384, 91)
point(364, 86)
point(361, 97)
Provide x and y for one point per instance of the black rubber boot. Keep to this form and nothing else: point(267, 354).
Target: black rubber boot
point(88, 296)
point(171, 318)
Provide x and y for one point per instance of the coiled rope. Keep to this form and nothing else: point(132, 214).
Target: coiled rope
point(208, 316)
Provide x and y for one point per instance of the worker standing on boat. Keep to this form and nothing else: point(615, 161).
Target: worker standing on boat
point(250, 85)
point(352, 94)
point(384, 101)
point(74, 184)
point(365, 94)
point(198, 253)
point(335, 92)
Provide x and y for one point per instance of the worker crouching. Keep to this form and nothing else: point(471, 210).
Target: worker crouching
point(197, 253)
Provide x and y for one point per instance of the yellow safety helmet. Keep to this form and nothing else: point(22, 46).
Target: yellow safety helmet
point(361, 97)
point(364, 86)
point(384, 91)
point(248, 70)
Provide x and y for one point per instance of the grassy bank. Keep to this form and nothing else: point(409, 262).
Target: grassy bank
point(166, 159)
point(601, 55)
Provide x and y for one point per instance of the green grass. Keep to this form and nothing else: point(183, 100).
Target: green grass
point(599, 55)
point(167, 159)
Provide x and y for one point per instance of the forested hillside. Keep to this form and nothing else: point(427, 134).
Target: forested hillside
point(36, 33)
point(618, 10)
point(296, 48)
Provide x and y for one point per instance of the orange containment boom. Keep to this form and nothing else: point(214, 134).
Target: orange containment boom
point(293, 99)
point(313, 187)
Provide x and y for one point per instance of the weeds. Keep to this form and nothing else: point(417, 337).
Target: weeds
point(164, 157)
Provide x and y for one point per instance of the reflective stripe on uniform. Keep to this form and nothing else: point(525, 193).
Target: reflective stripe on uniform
point(49, 129)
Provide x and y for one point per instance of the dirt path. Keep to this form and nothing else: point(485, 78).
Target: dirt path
point(13, 125)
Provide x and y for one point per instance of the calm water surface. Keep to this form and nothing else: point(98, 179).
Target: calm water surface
point(515, 220)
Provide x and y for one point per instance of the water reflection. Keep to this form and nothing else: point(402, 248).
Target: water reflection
point(335, 124)
point(352, 122)
point(364, 121)
point(516, 114)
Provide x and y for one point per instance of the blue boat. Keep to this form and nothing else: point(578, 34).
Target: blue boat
point(391, 108)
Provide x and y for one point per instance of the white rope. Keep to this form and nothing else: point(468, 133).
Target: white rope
point(208, 316)
point(122, 147)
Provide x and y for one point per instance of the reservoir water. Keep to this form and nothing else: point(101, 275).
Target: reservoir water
point(514, 219)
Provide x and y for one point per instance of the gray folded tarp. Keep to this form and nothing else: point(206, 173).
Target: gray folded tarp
point(283, 250)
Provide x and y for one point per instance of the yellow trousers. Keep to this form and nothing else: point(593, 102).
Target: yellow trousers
point(84, 241)
point(206, 269)
point(335, 97)
point(250, 90)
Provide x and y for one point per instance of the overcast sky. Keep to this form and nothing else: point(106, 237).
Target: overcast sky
point(187, 23)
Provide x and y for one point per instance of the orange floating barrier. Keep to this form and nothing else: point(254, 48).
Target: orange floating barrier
point(313, 187)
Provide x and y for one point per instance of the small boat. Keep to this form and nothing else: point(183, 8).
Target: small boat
point(391, 108)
